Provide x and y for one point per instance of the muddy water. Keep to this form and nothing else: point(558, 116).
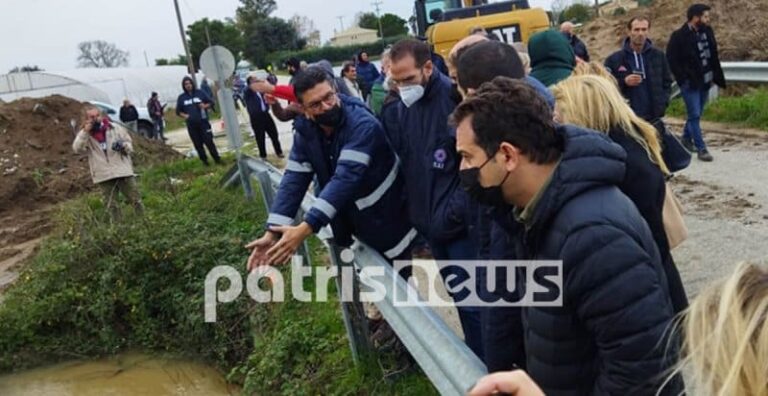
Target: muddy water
point(130, 374)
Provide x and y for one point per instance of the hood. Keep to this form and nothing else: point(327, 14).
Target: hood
point(360, 57)
point(590, 160)
point(325, 65)
point(552, 57)
point(185, 79)
point(628, 46)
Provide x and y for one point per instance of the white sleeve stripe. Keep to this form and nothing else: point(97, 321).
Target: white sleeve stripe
point(382, 189)
point(303, 167)
point(402, 245)
point(279, 219)
point(325, 207)
point(355, 156)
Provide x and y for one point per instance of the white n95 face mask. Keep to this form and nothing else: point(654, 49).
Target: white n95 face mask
point(411, 94)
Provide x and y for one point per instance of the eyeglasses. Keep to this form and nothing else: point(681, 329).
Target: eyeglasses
point(328, 99)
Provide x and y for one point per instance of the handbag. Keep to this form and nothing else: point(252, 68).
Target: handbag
point(672, 217)
point(675, 155)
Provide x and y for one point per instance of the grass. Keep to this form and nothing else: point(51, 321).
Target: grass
point(96, 288)
point(748, 110)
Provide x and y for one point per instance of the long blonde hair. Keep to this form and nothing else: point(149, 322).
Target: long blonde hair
point(726, 335)
point(594, 102)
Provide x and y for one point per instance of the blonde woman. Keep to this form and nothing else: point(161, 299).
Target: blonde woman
point(594, 102)
point(726, 336)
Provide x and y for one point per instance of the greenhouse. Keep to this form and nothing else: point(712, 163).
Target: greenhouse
point(109, 85)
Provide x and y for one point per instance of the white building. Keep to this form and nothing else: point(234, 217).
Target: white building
point(354, 36)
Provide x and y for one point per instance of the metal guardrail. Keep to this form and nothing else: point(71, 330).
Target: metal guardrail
point(745, 72)
point(444, 358)
point(735, 72)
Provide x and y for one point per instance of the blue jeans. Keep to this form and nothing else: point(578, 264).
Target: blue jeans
point(470, 317)
point(694, 99)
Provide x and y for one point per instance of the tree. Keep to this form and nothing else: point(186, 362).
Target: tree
point(100, 53)
point(391, 24)
point(577, 13)
point(557, 7)
point(220, 33)
point(306, 30)
point(251, 10)
point(267, 35)
point(367, 20)
point(25, 69)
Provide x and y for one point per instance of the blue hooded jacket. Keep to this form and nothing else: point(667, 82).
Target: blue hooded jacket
point(361, 189)
point(611, 336)
point(189, 103)
point(426, 145)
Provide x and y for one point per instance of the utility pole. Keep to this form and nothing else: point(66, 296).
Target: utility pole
point(190, 62)
point(378, 16)
point(341, 21)
point(146, 60)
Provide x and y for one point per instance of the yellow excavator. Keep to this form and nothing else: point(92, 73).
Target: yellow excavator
point(445, 22)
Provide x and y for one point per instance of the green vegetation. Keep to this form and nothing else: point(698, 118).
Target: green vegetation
point(96, 289)
point(747, 110)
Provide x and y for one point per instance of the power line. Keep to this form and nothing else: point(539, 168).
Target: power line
point(376, 4)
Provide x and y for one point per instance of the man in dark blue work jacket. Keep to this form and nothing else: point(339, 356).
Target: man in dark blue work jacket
point(418, 129)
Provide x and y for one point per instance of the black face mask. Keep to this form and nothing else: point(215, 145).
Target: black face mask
point(96, 126)
point(331, 118)
point(490, 196)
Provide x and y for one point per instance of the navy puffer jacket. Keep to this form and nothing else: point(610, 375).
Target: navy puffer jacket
point(610, 335)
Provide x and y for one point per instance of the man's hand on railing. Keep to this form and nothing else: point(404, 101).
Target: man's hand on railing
point(515, 383)
point(259, 248)
point(292, 238)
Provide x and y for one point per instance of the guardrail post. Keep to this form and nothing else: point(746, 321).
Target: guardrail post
point(352, 311)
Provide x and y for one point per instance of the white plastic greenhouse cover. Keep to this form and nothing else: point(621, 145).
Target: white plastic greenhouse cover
point(110, 85)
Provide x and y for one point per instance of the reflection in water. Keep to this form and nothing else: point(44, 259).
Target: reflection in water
point(124, 375)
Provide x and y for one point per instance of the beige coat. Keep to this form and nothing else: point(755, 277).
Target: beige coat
point(110, 164)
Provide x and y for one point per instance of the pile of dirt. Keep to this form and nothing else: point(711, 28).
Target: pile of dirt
point(36, 160)
point(740, 28)
point(39, 169)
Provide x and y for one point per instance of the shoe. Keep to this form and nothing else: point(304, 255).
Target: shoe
point(705, 156)
point(688, 144)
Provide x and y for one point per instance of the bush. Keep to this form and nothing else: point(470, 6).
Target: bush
point(577, 13)
point(333, 54)
point(95, 289)
point(619, 11)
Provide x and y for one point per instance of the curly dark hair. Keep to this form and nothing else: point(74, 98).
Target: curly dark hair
point(510, 110)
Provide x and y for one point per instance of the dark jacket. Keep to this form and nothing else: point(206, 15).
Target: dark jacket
point(189, 103)
point(552, 58)
point(683, 57)
point(609, 337)
point(426, 145)
point(129, 113)
point(650, 99)
point(496, 235)
point(645, 185)
point(368, 73)
point(579, 48)
point(361, 189)
point(153, 107)
point(255, 103)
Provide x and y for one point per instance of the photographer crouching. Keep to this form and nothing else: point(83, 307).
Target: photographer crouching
point(109, 148)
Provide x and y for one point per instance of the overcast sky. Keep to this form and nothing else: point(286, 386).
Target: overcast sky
point(46, 32)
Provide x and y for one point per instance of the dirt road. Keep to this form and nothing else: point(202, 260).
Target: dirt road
point(726, 203)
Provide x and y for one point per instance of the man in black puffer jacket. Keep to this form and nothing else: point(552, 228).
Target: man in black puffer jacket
point(610, 337)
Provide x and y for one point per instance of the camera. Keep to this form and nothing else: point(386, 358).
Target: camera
point(119, 147)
